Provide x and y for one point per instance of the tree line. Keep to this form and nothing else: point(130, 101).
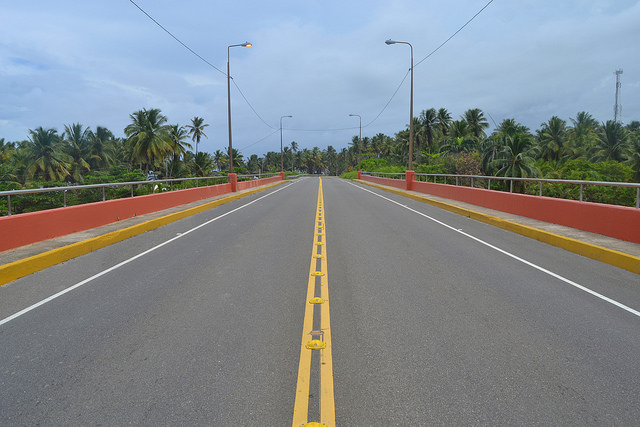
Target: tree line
point(582, 148)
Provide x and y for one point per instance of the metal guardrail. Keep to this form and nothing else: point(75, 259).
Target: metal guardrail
point(511, 180)
point(171, 182)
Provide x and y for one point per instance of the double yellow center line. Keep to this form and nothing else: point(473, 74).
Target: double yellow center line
point(316, 335)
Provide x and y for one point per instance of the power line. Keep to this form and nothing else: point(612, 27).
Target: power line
point(251, 106)
point(312, 130)
point(425, 58)
point(260, 140)
point(454, 34)
point(389, 102)
point(177, 39)
point(204, 60)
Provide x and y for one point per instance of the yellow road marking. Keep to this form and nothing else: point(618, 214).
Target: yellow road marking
point(322, 345)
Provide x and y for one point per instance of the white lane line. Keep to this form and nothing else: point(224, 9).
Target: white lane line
point(524, 261)
point(127, 261)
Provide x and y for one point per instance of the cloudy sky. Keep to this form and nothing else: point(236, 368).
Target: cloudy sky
point(96, 62)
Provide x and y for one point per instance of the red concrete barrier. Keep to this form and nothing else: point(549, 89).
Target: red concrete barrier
point(397, 183)
point(620, 222)
point(245, 185)
point(27, 228)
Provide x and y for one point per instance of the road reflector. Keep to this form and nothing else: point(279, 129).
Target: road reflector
point(317, 273)
point(313, 424)
point(319, 243)
point(316, 300)
point(315, 345)
point(318, 256)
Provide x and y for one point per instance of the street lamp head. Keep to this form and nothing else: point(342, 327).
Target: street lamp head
point(391, 41)
point(246, 44)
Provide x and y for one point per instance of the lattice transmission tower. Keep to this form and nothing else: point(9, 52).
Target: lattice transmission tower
point(617, 109)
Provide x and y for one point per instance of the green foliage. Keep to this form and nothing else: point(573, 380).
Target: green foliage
point(580, 148)
point(350, 175)
point(372, 165)
point(434, 168)
point(584, 170)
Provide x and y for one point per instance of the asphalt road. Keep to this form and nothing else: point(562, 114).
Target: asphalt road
point(435, 319)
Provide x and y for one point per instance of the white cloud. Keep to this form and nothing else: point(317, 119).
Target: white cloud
point(97, 62)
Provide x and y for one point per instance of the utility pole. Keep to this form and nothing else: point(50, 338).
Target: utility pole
point(617, 109)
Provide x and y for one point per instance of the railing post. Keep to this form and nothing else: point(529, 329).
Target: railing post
point(103, 195)
point(581, 188)
point(489, 186)
point(233, 180)
point(409, 179)
point(638, 198)
point(282, 175)
point(540, 188)
point(9, 204)
point(510, 186)
point(64, 198)
point(359, 174)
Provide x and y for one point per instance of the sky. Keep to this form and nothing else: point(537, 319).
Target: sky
point(97, 62)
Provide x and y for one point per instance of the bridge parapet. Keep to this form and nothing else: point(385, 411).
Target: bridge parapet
point(620, 222)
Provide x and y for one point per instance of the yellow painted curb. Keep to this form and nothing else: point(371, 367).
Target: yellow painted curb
point(608, 256)
point(17, 269)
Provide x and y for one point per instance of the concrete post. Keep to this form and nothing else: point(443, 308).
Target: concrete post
point(233, 180)
point(409, 179)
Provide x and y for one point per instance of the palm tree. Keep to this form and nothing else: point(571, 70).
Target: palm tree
point(196, 130)
point(203, 163)
point(294, 148)
point(582, 133)
point(510, 127)
point(253, 164)
point(551, 138)
point(317, 161)
point(77, 141)
point(477, 122)
point(45, 157)
point(177, 135)
point(516, 158)
point(444, 120)
point(611, 142)
point(490, 147)
point(458, 145)
point(148, 137)
point(219, 160)
point(633, 158)
point(428, 124)
point(460, 129)
point(238, 159)
point(6, 150)
point(332, 160)
point(102, 148)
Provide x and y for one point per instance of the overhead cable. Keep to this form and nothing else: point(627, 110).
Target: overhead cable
point(454, 34)
point(177, 39)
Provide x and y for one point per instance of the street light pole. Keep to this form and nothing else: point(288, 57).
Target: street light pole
point(245, 44)
point(410, 105)
point(359, 139)
point(281, 151)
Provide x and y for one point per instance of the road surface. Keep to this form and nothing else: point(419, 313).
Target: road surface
point(434, 319)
